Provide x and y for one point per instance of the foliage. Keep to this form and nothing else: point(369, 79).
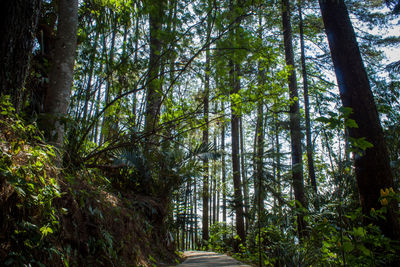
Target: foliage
point(49, 217)
point(331, 243)
point(221, 237)
point(30, 191)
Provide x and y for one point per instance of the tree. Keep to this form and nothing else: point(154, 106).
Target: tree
point(244, 174)
point(309, 147)
point(154, 86)
point(206, 95)
point(234, 74)
point(294, 120)
point(259, 138)
point(62, 69)
point(372, 167)
point(223, 169)
point(17, 28)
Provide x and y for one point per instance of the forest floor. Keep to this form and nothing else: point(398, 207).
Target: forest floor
point(205, 258)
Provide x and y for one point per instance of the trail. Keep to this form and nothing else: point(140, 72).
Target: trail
point(205, 258)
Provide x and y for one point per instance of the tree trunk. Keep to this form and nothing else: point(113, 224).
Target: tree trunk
point(62, 68)
point(135, 60)
point(205, 140)
point(106, 124)
point(195, 212)
point(223, 170)
point(205, 190)
point(278, 160)
point(192, 214)
point(295, 132)
point(90, 74)
point(154, 88)
point(259, 138)
point(237, 185)
point(214, 187)
point(185, 209)
point(310, 157)
point(178, 221)
point(244, 176)
point(259, 154)
point(372, 166)
point(17, 28)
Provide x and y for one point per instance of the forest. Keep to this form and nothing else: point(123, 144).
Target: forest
point(133, 130)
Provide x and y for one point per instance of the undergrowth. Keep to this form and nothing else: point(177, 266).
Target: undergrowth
point(52, 216)
point(331, 241)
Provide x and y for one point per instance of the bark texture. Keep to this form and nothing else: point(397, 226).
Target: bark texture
point(206, 194)
point(372, 168)
point(154, 87)
point(234, 70)
point(223, 170)
point(62, 69)
point(237, 187)
point(18, 23)
point(244, 176)
point(205, 142)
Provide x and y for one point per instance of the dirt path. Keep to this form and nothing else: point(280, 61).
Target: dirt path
point(204, 258)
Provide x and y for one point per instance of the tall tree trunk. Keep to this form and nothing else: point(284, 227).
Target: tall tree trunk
point(89, 83)
point(62, 69)
point(154, 87)
point(237, 185)
point(309, 147)
point(17, 28)
point(185, 208)
point(205, 140)
point(210, 199)
point(172, 54)
point(244, 176)
point(106, 124)
point(278, 159)
point(195, 212)
point(192, 214)
point(214, 188)
point(103, 56)
point(136, 63)
point(218, 199)
point(259, 137)
point(259, 153)
point(295, 132)
point(178, 220)
point(223, 170)
point(372, 167)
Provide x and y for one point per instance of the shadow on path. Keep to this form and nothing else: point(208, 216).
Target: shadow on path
point(205, 258)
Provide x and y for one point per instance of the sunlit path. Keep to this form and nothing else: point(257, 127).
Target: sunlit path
point(205, 258)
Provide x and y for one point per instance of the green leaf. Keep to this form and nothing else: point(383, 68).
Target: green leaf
point(350, 123)
point(346, 111)
point(347, 246)
point(359, 231)
point(46, 230)
point(365, 251)
point(323, 119)
point(361, 143)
